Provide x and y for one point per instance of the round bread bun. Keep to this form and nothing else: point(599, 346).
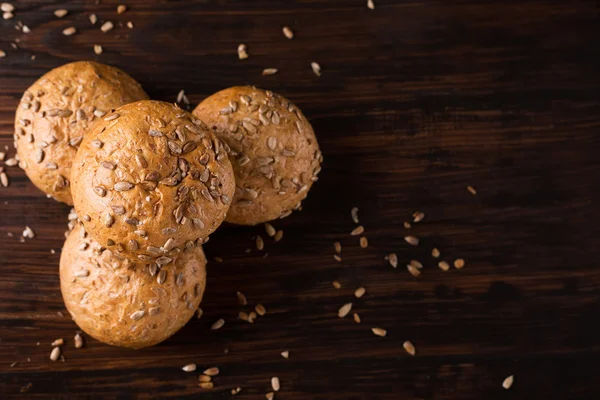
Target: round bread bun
point(127, 304)
point(150, 179)
point(272, 147)
point(56, 112)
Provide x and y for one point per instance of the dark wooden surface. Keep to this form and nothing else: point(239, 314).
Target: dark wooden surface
point(417, 101)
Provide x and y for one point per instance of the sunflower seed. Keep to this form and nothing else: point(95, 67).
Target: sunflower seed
point(28, 233)
point(357, 231)
point(163, 260)
point(379, 331)
point(213, 371)
point(107, 26)
point(121, 9)
point(370, 4)
point(7, 7)
point(444, 266)
point(180, 279)
point(99, 114)
point(288, 33)
point(364, 243)
point(336, 284)
point(93, 19)
point(137, 315)
point(83, 273)
point(123, 186)
point(242, 54)
point(206, 385)
point(344, 310)
point(4, 179)
point(218, 324)
point(316, 68)
point(6, 15)
point(270, 396)
point(11, 162)
point(108, 165)
point(133, 245)
point(58, 342)
point(393, 259)
point(360, 292)
point(435, 252)
point(414, 271)
point(169, 244)
point(96, 144)
point(285, 354)
point(100, 191)
point(78, 341)
point(337, 258)
point(204, 378)
point(472, 190)
point(413, 241)
point(241, 299)
point(275, 383)
point(70, 31)
point(278, 236)
point(416, 264)
point(98, 49)
point(260, 309)
point(260, 244)
point(55, 354)
point(162, 276)
point(269, 71)
point(459, 263)
point(337, 246)
point(189, 368)
point(409, 347)
point(130, 24)
point(270, 229)
point(108, 220)
point(508, 382)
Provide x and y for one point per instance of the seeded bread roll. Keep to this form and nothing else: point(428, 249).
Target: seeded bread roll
point(149, 180)
point(272, 147)
point(127, 304)
point(57, 110)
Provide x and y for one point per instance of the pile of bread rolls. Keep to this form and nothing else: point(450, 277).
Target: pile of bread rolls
point(149, 183)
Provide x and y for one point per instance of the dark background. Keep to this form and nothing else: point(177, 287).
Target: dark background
point(417, 100)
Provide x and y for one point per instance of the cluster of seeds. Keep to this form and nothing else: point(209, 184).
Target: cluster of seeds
point(56, 352)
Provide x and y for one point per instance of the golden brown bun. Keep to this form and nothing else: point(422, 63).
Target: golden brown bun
point(150, 179)
point(272, 147)
point(56, 112)
point(127, 304)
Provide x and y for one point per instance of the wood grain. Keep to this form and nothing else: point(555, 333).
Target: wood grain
point(417, 100)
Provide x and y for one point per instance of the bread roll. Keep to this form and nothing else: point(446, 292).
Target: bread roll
point(272, 147)
point(150, 180)
point(56, 112)
point(127, 304)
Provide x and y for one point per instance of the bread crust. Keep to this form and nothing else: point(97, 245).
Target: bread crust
point(272, 148)
point(150, 179)
point(55, 113)
point(127, 304)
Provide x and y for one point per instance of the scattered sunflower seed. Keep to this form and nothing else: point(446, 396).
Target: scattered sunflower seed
point(357, 231)
point(218, 324)
point(360, 292)
point(2, 54)
point(354, 214)
point(285, 354)
point(269, 71)
point(55, 354)
point(260, 309)
point(407, 225)
point(7, 7)
point(337, 258)
point(204, 378)
point(241, 299)
point(69, 31)
point(364, 242)
point(93, 19)
point(316, 68)
point(414, 271)
point(236, 391)
point(275, 383)
point(242, 54)
point(288, 33)
point(336, 284)
point(435, 252)
point(199, 313)
point(409, 347)
point(472, 190)
point(344, 310)
point(338, 247)
point(107, 26)
point(379, 332)
point(270, 229)
point(418, 216)
point(26, 29)
point(370, 4)
point(213, 371)
point(130, 24)
point(121, 8)
point(278, 235)
point(459, 263)
point(189, 368)
point(393, 259)
point(28, 233)
point(356, 318)
point(270, 396)
point(61, 12)
point(78, 341)
point(260, 244)
point(206, 385)
point(98, 49)
point(444, 266)
point(413, 241)
point(416, 264)
point(508, 382)
point(8, 15)
point(58, 342)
